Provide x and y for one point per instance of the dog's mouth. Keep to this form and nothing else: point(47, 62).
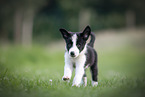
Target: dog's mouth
point(73, 56)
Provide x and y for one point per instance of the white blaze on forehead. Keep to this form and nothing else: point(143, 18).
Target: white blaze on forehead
point(74, 39)
point(74, 47)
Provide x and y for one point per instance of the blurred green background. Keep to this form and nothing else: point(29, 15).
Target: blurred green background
point(31, 21)
point(32, 48)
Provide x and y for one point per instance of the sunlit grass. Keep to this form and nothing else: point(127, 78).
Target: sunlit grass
point(26, 72)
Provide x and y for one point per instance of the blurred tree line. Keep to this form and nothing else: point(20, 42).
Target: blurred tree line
point(22, 21)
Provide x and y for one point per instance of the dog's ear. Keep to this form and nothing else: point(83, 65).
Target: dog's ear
point(64, 33)
point(85, 34)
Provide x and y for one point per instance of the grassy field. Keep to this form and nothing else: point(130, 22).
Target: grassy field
point(26, 72)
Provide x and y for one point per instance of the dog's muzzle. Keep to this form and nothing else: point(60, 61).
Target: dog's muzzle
point(72, 54)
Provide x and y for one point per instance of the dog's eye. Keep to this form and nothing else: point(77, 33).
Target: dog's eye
point(78, 45)
point(69, 45)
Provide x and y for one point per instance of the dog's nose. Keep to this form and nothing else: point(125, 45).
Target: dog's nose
point(72, 54)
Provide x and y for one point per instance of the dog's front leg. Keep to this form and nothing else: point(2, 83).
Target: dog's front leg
point(78, 76)
point(68, 68)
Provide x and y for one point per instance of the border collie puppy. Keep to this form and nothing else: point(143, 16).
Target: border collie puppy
point(80, 55)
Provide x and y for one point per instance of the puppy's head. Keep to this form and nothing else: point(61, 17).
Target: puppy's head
point(75, 42)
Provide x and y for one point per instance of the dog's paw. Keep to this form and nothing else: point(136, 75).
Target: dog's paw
point(94, 84)
point(75, 85)
point(65, 78)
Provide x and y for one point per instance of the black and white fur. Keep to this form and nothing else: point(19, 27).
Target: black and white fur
point(80, 55)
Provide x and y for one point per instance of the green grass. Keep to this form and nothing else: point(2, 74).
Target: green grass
point(26, 73)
